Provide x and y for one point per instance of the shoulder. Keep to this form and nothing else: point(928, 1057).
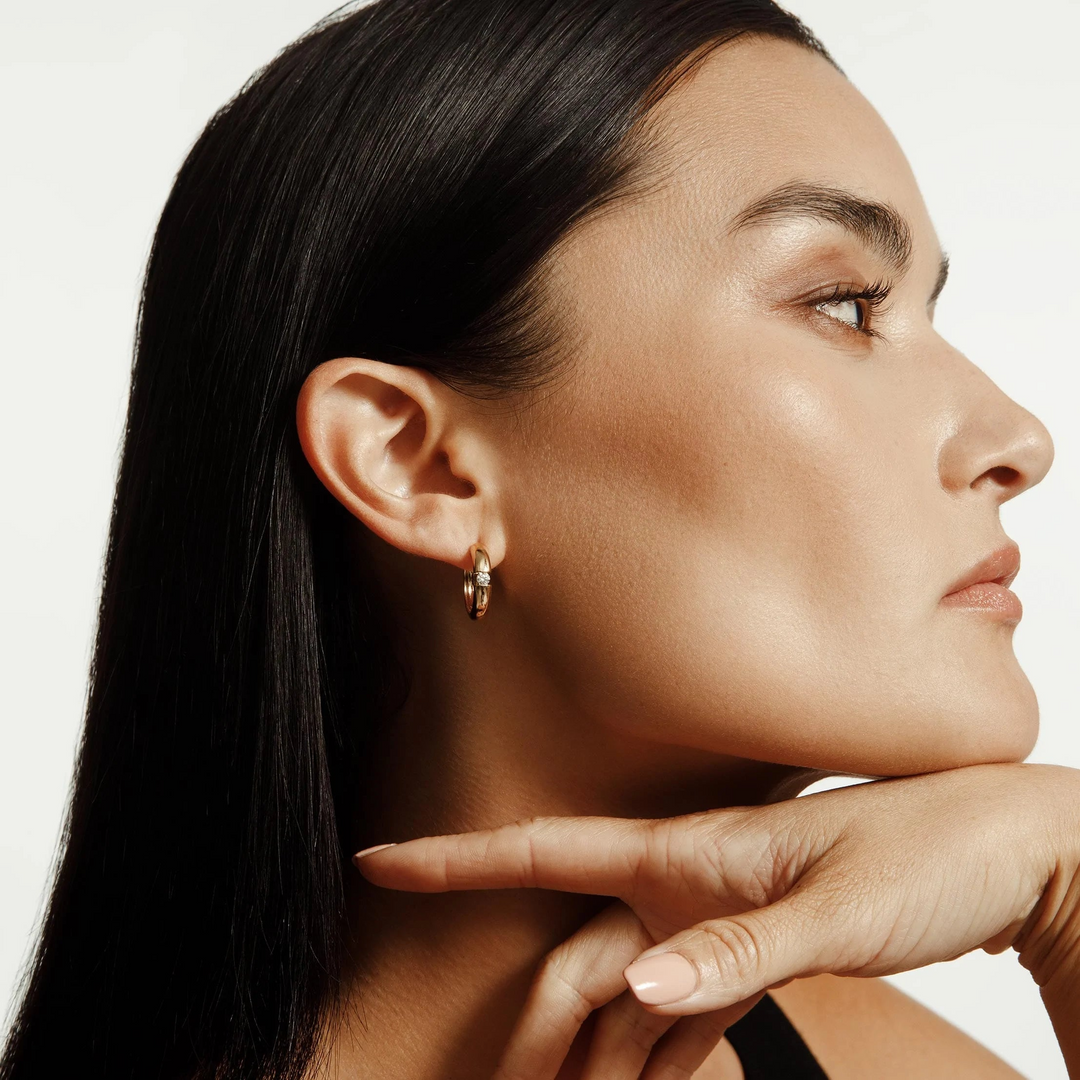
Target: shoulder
point(858, 1027)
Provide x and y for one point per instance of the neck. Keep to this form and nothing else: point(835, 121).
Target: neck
point(440, 978)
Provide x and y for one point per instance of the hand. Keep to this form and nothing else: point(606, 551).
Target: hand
point(866, 880)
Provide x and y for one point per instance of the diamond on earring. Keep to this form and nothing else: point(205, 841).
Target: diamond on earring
point(477, 583)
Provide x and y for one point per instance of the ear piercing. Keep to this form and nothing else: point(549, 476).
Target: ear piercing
point(478, 583)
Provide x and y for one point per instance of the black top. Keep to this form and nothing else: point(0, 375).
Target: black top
point(770, 1048)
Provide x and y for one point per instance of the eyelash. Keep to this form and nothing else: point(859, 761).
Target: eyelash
point(874, 297)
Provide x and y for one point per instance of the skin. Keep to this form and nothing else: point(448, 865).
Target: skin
point(719, 546)
point(870, 880)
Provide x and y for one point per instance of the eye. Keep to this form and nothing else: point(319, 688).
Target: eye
point(853, 306)
point(849, 311)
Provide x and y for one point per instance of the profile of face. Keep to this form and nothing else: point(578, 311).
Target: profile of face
point(731, 525)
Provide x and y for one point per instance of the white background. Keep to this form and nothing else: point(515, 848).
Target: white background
point(100, 102)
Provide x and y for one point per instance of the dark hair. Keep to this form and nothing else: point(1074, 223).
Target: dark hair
point(388, 186)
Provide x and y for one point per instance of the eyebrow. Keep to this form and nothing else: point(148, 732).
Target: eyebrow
point(879, 226)
point(942, 277)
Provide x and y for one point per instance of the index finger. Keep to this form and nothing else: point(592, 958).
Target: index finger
point(597, 855)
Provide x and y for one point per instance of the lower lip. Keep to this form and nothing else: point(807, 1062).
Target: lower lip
point(990, 597)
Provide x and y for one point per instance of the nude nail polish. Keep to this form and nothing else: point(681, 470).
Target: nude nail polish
point(368, 850)
point(661, 979)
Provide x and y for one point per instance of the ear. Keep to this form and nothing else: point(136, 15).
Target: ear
point(405, 455)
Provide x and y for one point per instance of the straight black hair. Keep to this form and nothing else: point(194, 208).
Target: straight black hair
point(388, 186)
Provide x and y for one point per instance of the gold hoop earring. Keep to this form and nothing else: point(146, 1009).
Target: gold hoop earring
point(478, 584)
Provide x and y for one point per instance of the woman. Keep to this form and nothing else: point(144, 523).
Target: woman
point(632, 300)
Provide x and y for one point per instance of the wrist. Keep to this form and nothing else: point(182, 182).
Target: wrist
point(1048, 944)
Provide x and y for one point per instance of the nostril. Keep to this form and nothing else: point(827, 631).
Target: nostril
point(1003, 475)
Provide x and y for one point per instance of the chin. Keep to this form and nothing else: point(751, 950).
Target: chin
point(975, 705)
point(999, 722)
point(1006, 726)
point(1011, 737)
point(943, 724)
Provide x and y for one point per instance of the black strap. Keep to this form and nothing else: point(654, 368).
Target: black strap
point(770, 1048)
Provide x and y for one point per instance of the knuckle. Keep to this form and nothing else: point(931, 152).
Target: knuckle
point(556, 988)
point(521, 835)
point(709, 830)
point(555, 962)
point(691, 844)
point(672, 1070)
point(737, 948)
point(640, 1028)
point(661, 846)
point(532, 823)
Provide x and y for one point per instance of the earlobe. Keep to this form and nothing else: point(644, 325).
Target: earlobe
point(394, 446)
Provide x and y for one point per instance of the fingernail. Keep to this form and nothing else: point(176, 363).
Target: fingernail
point(661, 979)
point(367, 851)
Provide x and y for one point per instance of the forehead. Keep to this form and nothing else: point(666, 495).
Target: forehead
point(759, 114)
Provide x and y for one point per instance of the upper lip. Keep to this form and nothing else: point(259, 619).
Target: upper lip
point(999, 566)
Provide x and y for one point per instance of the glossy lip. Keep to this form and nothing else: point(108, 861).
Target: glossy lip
point(985, 586)
point(999, 567)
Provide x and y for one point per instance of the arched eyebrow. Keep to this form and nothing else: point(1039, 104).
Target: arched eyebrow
point(879, 226)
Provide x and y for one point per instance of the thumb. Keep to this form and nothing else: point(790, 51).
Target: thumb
point(720, 962)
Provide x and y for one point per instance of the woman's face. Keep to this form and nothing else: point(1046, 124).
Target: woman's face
point(752, 500)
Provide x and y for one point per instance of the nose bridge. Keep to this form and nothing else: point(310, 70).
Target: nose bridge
point(991, 440)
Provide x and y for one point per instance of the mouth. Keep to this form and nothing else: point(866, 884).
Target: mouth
point(985, 586)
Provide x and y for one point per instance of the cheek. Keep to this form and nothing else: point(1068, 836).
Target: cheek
point(747, 565)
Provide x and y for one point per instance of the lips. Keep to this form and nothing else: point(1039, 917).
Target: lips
point(985, 587)
point(1000, 567)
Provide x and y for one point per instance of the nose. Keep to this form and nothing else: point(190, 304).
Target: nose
point(994, 444)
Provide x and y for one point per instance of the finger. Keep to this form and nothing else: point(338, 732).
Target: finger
point(597, 855)
point(692, 1040)
point(622, 1039)
point(721, 962)
point(581, 974)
